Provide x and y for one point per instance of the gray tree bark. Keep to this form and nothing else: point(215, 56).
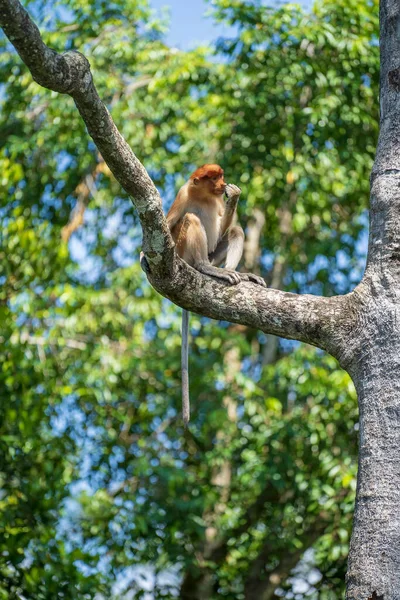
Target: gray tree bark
point(374, 559)
point(360, 329)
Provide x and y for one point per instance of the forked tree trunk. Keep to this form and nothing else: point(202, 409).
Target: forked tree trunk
point(374, 560)
point(362, 329)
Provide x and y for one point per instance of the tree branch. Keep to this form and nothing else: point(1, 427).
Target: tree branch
point(318, 321)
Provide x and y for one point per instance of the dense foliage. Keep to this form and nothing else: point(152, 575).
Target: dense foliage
point(101, 489)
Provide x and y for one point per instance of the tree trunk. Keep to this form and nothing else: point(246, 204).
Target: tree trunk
point(374, 560)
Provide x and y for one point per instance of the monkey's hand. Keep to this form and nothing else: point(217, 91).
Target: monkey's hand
point(232, 192)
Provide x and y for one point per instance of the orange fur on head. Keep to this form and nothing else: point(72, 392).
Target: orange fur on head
point(208, 171)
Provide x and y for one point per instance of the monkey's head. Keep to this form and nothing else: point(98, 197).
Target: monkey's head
point(210, 177)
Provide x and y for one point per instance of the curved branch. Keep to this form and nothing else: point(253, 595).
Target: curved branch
point(315, 320)
point(323, 322)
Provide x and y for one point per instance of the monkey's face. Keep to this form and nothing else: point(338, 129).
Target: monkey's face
point(210, 178)
point(219, 184)
point(215, 185)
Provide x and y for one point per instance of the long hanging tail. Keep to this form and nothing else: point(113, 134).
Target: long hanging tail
point(185, 368)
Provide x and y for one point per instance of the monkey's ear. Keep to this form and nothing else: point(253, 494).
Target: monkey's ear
point(196, 180)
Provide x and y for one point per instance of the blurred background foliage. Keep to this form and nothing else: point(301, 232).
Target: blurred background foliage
point(102, 494)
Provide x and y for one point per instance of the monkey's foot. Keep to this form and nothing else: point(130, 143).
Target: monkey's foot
point(253, 278)
point(231, 277)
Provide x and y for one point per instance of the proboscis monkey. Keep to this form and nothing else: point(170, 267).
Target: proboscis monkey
point(201, 225)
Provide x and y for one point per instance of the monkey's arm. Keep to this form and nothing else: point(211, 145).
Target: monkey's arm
point(232, 192)
point(177, 210)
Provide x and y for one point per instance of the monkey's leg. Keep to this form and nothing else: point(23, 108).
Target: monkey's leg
point(230, 250)
point(192, 247)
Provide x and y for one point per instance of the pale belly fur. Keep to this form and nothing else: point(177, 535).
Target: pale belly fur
point(210, 217)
